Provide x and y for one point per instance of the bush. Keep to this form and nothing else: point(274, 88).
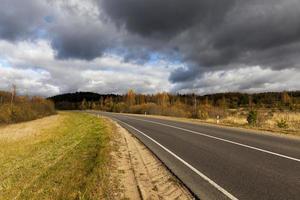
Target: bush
point(148, 108)
point(262, 117)
point(5, 114)
point(174, 112)
point(282, 123)
point(154, 109)
point(252, 118)
point(120, 107)
point(202, 114)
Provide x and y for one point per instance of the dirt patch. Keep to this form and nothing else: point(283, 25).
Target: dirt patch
point(141, 174)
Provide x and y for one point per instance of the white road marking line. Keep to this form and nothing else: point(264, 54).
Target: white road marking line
point(230, 196)
point(221, 139)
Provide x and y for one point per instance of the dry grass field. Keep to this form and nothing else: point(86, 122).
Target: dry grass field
point(266, 121)
point(65, 156)
point(287, 122)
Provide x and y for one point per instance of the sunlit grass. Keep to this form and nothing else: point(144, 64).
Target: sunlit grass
point(67, 161)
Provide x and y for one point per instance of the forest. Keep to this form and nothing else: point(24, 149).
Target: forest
point(276, 111)
point(185, 103)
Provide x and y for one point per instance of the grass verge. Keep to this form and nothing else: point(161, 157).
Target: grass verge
point(235, 122)
point(68, 160)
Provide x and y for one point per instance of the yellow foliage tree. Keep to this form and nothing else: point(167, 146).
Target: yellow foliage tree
point(130, 98)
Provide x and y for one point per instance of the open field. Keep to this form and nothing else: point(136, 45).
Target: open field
point(65, 156)
point(286, 122)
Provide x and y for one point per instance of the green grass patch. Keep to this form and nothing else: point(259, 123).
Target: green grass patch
point(68, 161)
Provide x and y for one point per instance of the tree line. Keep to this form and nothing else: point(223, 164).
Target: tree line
point(15, 108)
point(181, 105)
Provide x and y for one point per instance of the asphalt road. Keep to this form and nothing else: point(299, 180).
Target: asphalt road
point(221, 163)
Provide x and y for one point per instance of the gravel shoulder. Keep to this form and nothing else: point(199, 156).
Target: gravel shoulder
point(141, 174)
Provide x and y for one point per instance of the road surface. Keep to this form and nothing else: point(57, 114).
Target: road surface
point(221, 163)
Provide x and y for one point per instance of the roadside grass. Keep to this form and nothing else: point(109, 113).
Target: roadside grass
point(267, 121)
point(68, 160)
point(239, 121)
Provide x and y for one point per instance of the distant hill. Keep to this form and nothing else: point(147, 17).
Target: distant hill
point(76, 97)
point(71, 101)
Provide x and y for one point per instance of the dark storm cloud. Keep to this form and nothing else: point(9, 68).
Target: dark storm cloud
point(186, 73)
point(214, 35)
point(207, 34)
point(74, 47)
point(19, 19)
point(79, 41)
point(156, 18)
point(72, 32)
point(79, 32)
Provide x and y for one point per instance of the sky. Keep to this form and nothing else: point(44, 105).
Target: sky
point(48, 47)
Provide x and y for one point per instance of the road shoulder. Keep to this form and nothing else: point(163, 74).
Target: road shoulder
point(142, 175)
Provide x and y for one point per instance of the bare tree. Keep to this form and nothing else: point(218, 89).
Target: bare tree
point(13, 95)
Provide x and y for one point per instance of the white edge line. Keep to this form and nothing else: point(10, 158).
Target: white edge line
point(224, 140)
point(230, 196)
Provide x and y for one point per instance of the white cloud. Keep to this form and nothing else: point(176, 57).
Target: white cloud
point(245, 79)
point(32, 66)
point(28, 81)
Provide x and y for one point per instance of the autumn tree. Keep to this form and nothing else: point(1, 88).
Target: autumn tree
point(130, 98)
point(140, 99)
point(222, 103)
point(285, 98)
point(101, 103)
point(13, 95)
point(108, 103)
point(250, 102)
point(177, 102)
point(93, 105)
point(206, 101)
point(163, 99)
point(83, 105)
point(195, 110)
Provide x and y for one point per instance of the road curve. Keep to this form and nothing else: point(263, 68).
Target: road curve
point(221, 163)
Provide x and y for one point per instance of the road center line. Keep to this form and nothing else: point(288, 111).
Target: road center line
point(230, 196)
point(221, 139)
